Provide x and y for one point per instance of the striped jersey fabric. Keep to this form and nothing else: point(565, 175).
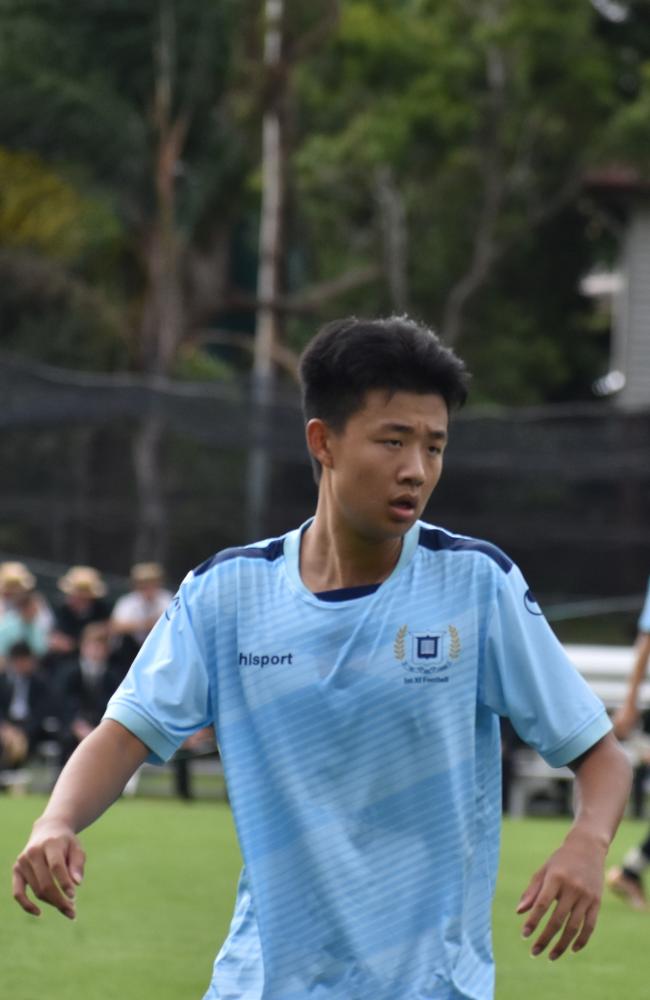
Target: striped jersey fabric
point(359, 733)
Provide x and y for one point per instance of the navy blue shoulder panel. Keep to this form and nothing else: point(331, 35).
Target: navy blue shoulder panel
point(437, 541)
point(270, 552)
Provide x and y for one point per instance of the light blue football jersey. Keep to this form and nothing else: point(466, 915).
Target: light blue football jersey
point(359, 734)
point(644, 620)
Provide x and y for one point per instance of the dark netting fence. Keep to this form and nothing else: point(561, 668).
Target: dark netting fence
point(109, 469)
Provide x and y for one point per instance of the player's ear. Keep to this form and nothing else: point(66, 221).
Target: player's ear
point(318, 436)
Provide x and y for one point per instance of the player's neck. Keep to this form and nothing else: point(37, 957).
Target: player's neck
point(333, 555)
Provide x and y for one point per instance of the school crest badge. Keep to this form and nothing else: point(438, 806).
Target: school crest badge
point(427, 654)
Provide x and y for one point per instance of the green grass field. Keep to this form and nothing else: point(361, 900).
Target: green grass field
point(158, 895)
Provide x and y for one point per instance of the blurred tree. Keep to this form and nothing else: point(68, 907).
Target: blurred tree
point(426, 155)
point(288, 37)
point(52, 238)
point(422, 154)
point(426, 147)
point(447, 142)
point(134, 103)
point(40, 211)
point(627, 35)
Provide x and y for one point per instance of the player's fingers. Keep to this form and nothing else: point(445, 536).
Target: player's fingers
point(57, 866)
point(572, 927)
point(76, 862)
point(39, 877)
point(19, 889)
point(589, 923)
point(553, 925)
point(546, 895)
point(564, 906)
point(529, 894)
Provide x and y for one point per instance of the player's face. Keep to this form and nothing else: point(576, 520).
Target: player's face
point(387, 461)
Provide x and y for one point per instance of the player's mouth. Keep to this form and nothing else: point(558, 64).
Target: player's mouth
point(404, 507)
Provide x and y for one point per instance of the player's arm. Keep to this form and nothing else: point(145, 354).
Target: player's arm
point(51, 865)
point(571, 881)
point(627, 716)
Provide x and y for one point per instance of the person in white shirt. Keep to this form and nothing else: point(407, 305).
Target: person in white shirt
point(135, 614)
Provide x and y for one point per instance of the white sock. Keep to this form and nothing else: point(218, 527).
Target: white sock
point(635, 861)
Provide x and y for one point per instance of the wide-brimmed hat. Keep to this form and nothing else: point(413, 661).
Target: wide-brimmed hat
point(82, 580)
point(147, 572)
point(16, 574)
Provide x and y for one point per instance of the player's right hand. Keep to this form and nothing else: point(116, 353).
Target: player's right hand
point(51, 866)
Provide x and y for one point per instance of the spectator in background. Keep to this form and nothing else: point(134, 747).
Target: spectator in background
point(85, 593)
point(133, 617)
point(24, 613)
point(24, 705)
point(84, 687)
point(626, 880)
point(135, 614)
point(16, 581)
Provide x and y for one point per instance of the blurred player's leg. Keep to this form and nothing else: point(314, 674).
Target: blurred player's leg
point(626, 881)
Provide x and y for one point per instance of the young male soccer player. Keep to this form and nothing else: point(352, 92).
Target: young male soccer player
point(355, 670)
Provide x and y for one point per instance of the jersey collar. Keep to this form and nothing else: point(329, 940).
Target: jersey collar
point(292, 564)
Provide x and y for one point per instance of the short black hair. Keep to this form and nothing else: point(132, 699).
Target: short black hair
point(350, 357)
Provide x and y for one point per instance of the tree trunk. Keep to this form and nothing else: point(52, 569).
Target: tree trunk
point(163, 314)
point(271, 239)
point(486, 244)
point(151, 534)
point(392, 219)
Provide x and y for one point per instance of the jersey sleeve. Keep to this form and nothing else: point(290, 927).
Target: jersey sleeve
point(165, 697)
point(528, 677)
point(644, 620)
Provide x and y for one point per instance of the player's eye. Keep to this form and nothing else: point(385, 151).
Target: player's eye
point(392, 442)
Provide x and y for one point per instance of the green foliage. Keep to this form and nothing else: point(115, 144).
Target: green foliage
point(630, 128)
point(96, 77)
point(39, 210)
point(530, 339)
point(92, 90)
point(485, 117)
point(195, 365)
point(454, 98)
point(55, 242)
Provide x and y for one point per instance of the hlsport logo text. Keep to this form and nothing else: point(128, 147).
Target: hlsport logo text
point(264, 659)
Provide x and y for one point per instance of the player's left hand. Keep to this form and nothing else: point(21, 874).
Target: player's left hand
point(572, 879)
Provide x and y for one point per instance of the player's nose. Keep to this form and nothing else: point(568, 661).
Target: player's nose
point(413, 470)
